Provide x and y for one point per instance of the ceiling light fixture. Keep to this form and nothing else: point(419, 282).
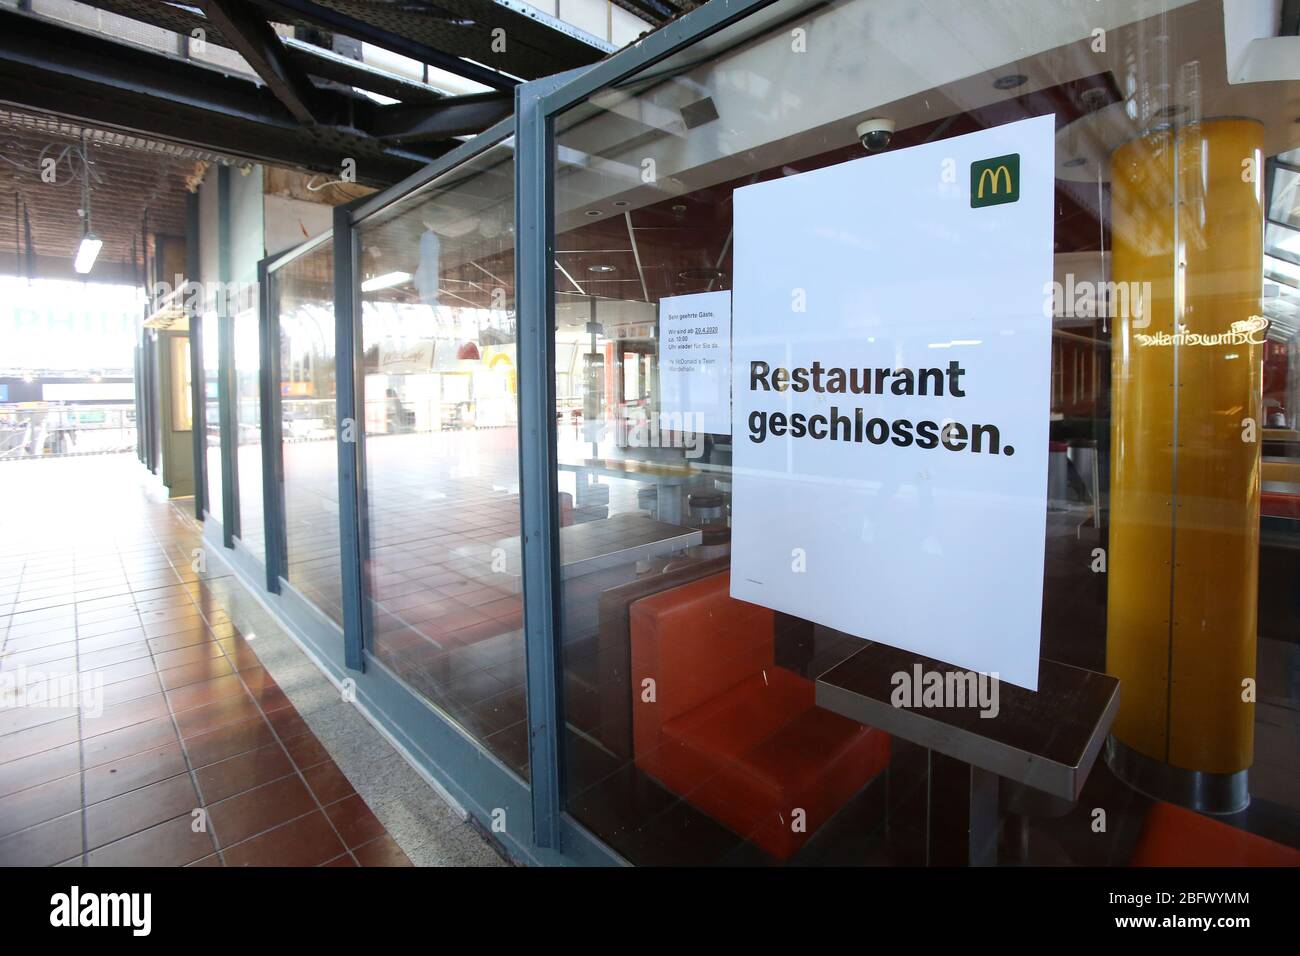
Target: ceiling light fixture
point(88, 249)
point(601, 269)
point(1010, 81)
point(87, 252)
point(385, 281)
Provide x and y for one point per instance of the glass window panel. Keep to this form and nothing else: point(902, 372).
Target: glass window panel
point(182, 397)
point(442, 576)
point(248, 431)
point(683, 770)
point(212, 411)
point(305, 290)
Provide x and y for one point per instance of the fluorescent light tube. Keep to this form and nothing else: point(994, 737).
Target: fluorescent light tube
point(385, 281)
point(86, 253)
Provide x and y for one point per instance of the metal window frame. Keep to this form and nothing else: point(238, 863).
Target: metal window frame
point(457, 763)
point(198, 409)
point(268, 346)
point(537, 104)
point(226, 368)
point(474, 771)
point(349, 421)
point(276, 564)
point(353, 493)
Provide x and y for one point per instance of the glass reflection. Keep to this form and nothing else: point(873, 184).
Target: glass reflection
point(442, 573)
point(690, 768)
point(305, 289)
point(248, 432)
point(212, 412)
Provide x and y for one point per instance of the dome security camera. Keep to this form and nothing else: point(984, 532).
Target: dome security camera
point(875, 134)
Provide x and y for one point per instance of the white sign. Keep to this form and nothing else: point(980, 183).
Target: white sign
point(695, 363)
point(892, 371)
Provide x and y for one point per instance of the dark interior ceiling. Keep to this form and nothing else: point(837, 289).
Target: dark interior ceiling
point(151, 114)
point(304, 107)
point(136, 183)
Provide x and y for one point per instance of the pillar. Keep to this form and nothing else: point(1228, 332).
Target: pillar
point(1183, 556)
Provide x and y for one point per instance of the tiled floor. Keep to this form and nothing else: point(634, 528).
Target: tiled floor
point(172, 744)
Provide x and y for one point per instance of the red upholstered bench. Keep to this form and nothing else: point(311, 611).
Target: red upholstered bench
point(1172, 836)
point(1275, 504)
point(738, 737)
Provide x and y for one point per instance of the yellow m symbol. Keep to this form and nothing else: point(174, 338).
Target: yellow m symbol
point(994, 176)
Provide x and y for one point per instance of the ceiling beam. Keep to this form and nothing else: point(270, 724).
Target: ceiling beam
point(254, 40)
point(331, 19)
point(49, 68)
point(454, 116)
point(656, 11)
point(332, 66)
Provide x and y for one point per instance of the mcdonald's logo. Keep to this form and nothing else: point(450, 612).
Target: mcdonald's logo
point(995, 181)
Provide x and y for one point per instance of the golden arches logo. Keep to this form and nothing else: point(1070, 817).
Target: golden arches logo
point(995, 180)
point(993, 177)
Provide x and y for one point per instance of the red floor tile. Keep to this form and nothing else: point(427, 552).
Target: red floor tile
point(123, 715)
point(186, 655)
point(248, 814)
point(39, 768)
point(174, 642)
point(44, 845)
point(40, 803)
point(205, 670)
point(116, 777)
point(307, 841)
point(185, 712)
point(210, 717)
point(288, 723)
point(381, 852)
point(206, 692)
point(229, 741)
point(327, 782)
point(354, 821)
point(132, 689)
point(128, 741)
point(137, 810)
point(235, 775)
point(24, 743)
point(171, 843)
point(306, 750)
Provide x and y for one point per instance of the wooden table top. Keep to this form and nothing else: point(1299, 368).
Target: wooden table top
point(1047, 739)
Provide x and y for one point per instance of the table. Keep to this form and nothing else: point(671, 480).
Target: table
point(1047, 740)
point(608, 542)
point(667, 478)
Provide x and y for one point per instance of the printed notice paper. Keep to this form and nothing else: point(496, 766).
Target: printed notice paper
point(695, 363)
point(891, 374)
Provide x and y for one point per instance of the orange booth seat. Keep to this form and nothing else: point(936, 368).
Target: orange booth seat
point(738, 737)
point(1173, 836)
point(1274, 504)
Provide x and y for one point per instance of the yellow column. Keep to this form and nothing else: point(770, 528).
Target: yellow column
point(1187, 220)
